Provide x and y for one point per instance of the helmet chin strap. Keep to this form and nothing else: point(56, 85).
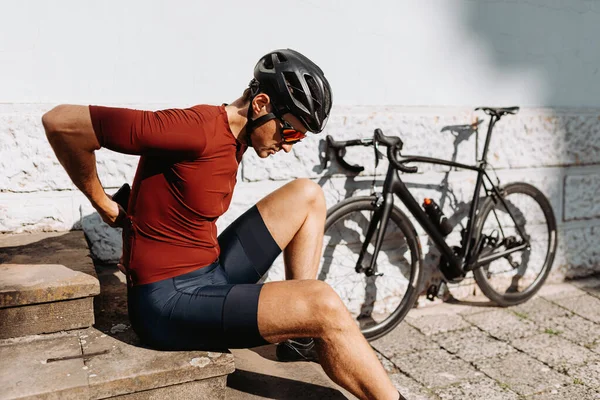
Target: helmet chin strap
point(252, 124)
point(249, 124)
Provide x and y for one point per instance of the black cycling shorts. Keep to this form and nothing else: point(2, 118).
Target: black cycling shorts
point(214, 307)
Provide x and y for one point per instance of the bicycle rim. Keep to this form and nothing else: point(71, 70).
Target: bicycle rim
point(514, 279)
point(377, 303)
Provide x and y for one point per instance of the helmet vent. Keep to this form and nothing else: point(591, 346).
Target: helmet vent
point(295, 88)
point(281, 57)
point(324, 104)
point(268, 63)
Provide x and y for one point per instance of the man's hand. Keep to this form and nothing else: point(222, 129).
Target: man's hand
point(121, 266)
point(112, 213)
point(115, 216)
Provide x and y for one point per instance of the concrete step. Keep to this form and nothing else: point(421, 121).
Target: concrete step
point(47, 284)
point(89, 364)
point(105, 361)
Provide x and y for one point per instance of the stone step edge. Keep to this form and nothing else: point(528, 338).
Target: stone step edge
point(102, 366)
point(46, 318)
point(27, 284)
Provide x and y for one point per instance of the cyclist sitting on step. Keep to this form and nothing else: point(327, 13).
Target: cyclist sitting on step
point(188, 288)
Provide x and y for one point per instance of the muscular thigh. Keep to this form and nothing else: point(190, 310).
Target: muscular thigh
point(285, 210)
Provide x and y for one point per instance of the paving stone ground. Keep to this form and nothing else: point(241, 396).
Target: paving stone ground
point(546, 348)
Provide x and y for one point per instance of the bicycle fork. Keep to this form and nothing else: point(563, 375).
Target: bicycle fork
point(383, 208)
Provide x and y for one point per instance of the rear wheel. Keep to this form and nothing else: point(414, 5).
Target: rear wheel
point(377, 303)
point(516, 277)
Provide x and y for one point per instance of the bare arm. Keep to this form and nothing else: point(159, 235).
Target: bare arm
point(71, 134)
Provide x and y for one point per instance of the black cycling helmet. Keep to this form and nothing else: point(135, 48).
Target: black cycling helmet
point(296, 85)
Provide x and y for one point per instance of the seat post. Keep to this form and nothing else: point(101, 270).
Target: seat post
point(493, 119)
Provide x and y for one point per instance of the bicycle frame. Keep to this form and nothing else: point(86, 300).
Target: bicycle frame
point(457, 265)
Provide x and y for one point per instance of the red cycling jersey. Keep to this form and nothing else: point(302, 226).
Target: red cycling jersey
point(183, 183)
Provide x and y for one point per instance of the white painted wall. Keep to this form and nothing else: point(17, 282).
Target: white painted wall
point(429, 53)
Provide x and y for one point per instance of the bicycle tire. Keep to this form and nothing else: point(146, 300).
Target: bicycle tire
point(534, 214)
point(375, 316)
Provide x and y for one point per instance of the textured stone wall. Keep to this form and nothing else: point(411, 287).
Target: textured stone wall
point(557, 150)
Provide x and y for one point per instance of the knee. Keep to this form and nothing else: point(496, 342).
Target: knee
point(312, 192)
point(326, 306)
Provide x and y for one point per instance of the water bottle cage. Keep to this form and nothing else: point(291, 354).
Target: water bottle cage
point(436, 216)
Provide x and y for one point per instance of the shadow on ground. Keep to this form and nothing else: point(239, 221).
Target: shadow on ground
point(273, 387)
point(64, 248)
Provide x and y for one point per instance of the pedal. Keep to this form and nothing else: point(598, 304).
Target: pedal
point(432, 292)
point(444, 292)
point(440, 291)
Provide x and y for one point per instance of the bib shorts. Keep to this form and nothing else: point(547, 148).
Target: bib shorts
point(214, 307)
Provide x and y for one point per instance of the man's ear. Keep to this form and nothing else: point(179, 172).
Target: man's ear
point(260, 102)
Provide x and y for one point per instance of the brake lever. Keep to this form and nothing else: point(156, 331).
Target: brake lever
point(378, 154)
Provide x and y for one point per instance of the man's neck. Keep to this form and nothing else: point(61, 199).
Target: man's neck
point(236, 115)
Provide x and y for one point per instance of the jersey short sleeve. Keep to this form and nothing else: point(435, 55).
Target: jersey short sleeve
point(145, 132)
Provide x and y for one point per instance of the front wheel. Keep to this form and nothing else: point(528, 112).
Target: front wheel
point(377, 303)
point(525, 217)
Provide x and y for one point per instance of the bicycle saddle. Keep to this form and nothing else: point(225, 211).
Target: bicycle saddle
point(499, 111)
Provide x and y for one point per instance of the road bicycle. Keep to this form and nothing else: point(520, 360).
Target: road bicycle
point(372, 254)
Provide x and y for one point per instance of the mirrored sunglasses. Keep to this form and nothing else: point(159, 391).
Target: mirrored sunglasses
point(289, 135)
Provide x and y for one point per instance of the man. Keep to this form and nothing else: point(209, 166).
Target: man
point(188, 288)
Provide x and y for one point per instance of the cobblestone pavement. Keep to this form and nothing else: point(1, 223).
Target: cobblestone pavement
point(546, 348)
